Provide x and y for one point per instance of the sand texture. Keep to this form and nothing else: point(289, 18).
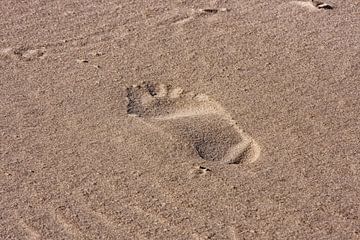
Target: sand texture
point(144, 119)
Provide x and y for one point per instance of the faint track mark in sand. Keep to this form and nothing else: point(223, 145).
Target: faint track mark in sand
point(313, 6)
point(211, 14)
point(199, 171)
point(195, 213)
point(194, 119)
point(23, 53)
point(137, 209)
point(112, 225)
point(149, 214)
point(122, 212)
point(196, 236)
point(179, 17)
point(33, 234)
point(108, 223)
point(6, 53)
point(103, 220)
point(233, 233)
point(67, 224)
point(176, 18)
point(29, 54)
point(55, 221)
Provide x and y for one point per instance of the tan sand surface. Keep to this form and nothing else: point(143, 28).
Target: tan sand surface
point(153, 119)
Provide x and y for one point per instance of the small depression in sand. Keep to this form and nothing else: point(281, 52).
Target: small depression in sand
point(194, 119)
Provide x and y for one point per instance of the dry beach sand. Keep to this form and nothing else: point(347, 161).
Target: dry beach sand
point(144, 119)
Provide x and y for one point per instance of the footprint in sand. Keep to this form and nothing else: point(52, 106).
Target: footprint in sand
point(23, 53)
point(28, 54)
point(314, 5)
point(194, 119)
point(199, 171)
point(321, 5)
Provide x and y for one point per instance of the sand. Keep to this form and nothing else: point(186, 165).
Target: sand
point(180, 119)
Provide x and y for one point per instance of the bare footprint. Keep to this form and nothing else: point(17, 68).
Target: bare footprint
point(194, 119)
point(198, 172)
point(314, 5)
point(29, 54)
point(321, 5)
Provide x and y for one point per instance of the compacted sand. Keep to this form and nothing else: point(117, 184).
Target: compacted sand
point(147, 119)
